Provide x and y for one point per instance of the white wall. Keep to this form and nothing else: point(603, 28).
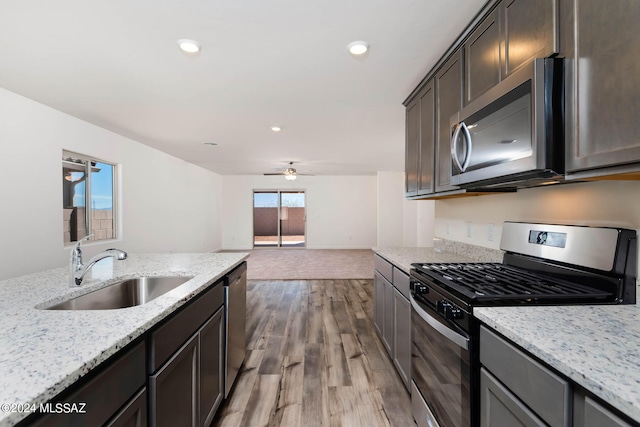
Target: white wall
point(341, 210)
point(167, 204)
point(402, 222)
point(601, 203)
point(391, 203)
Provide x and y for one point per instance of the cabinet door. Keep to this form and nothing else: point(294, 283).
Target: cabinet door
point(378, 301)
point(174, 389)
point(530, 30)
point(412, 148)
point(402, 337)
point(499, 407)
point(211, 361)
point(603, 85)
point(482, 57)
point(596, 415)
point(134, 414)
point(389, 318)
point(449, 101)
point(426, 101)
point(591, 412)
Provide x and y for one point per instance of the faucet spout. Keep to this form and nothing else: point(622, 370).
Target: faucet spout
point(77, 270)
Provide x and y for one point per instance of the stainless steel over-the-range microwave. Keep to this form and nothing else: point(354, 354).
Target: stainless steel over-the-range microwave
point(513, 134)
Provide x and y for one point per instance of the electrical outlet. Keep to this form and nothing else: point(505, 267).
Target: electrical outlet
point(447, 228)
point(490, 232)
point(468, 229)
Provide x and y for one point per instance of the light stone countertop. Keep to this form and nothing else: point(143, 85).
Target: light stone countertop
point(42, 352)
point(598, 347)
point(442, 251)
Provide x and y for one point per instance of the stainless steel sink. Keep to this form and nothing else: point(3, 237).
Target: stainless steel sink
point(126, 293)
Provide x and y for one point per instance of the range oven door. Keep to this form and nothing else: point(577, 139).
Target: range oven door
point(440, 366)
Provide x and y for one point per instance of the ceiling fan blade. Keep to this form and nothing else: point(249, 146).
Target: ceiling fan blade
point(275, 173)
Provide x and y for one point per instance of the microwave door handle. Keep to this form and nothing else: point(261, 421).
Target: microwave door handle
point(459, 340)
point(454, 146)
point(467, 134)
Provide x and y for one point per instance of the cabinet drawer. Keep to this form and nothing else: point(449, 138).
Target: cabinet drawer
point(401, 282)
point(166, 340)
point(105, 393)
point(384, 267)
point(547, 394)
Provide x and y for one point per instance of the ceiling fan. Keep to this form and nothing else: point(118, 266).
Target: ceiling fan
point(289, 173)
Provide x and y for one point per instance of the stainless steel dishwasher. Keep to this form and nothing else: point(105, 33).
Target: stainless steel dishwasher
point(235, 313)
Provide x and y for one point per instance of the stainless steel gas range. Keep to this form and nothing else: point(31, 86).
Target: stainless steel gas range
point(544, 264)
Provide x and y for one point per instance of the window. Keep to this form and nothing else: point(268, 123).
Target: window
point(88, 179)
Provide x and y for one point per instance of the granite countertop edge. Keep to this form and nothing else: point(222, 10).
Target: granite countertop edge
point(42, 352)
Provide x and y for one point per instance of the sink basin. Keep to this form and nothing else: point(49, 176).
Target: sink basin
point(125, 293)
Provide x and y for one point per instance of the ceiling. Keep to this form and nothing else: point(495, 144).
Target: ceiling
point(115, 63)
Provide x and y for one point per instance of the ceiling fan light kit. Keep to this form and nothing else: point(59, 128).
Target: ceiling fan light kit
point(289, 173)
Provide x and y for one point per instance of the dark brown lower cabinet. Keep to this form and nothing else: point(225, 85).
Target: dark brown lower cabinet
point(134, 414)
point(183, 361)
point(101, 397)
point(211, 360)
point(174, 389)
point(186, 383)
point(518, 390)
point(189, 388)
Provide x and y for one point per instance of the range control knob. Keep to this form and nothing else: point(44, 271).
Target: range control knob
point(452, 312)
point(420, 289)
point(442, 306)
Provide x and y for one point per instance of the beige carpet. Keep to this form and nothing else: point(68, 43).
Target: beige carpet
point(308, 264)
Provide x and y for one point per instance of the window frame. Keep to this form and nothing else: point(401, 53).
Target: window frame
point(67, 158)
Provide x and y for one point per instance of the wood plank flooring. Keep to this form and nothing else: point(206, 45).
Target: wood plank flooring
point(314, 359)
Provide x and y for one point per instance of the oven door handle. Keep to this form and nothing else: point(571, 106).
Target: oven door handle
point(459, 340)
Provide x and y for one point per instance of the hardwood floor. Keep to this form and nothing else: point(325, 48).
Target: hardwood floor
point(314, 359)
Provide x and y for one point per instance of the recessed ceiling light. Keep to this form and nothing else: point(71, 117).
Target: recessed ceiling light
point(276, 128)
point(189, 46)
point(358, 48)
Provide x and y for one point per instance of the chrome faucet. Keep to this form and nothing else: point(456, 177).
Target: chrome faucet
point(77, 269)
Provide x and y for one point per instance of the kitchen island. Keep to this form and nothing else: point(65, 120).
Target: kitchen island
point(42, 352)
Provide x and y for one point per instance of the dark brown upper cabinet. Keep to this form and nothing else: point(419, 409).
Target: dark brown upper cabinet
point(448, 82)
point(420, 136)
point(482, 57)
point(412, 148)
point(427, 101)
point(529, 30)
point(601, 43)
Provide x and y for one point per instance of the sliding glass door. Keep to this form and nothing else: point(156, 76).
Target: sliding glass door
point(279, 218)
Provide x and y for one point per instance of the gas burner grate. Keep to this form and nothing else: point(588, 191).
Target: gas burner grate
point(492, 281)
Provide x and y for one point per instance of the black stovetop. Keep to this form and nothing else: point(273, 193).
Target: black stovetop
point(494, 283)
